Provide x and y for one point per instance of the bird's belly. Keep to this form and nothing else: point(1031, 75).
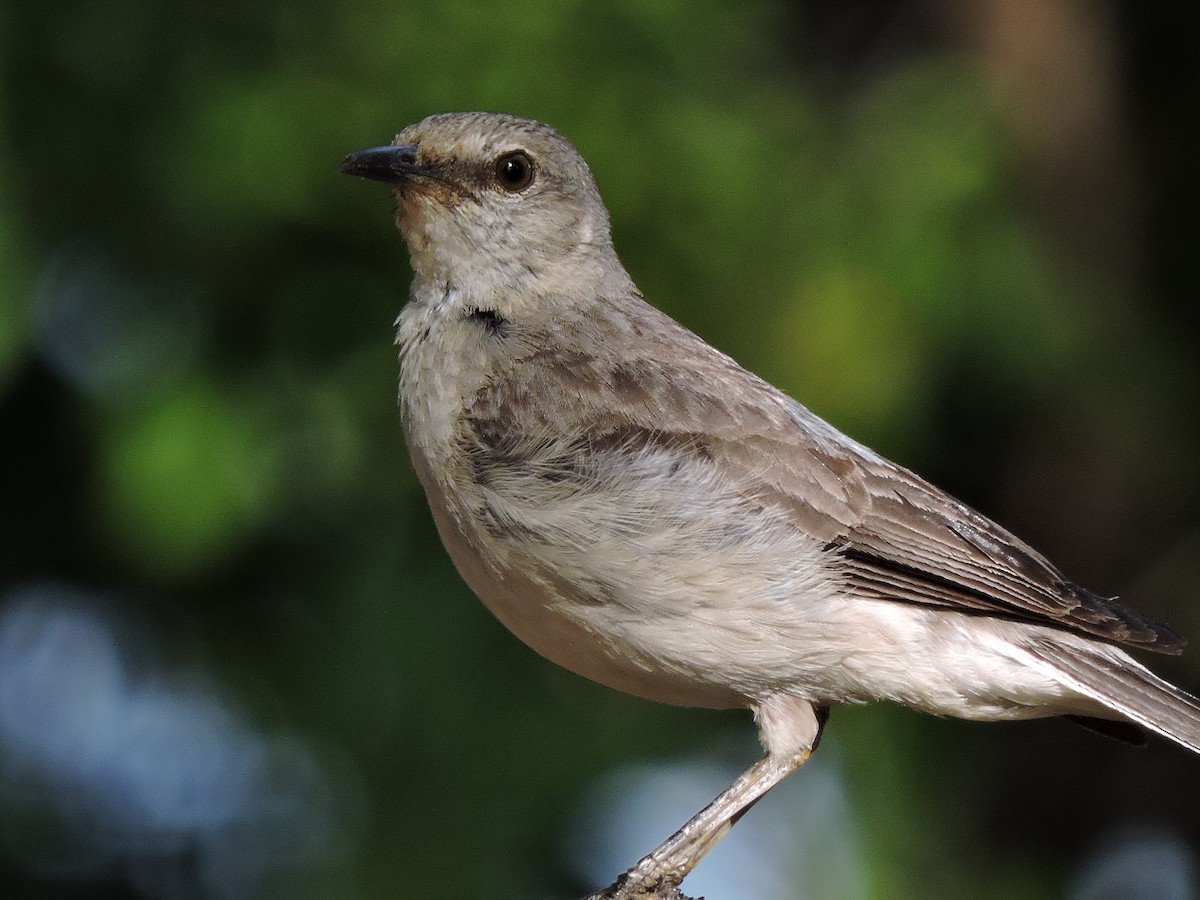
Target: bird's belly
point(691, 640)
point(622, 659)
point(544, 612)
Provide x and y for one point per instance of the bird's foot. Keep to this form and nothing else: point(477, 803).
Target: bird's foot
point(645, 881)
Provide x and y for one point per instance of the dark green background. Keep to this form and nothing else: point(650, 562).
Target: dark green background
point(966, 234)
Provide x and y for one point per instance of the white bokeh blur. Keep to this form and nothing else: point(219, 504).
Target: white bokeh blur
point(1142, 864)
point(113, 761)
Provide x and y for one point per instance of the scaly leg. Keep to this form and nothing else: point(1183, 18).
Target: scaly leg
point(669, 863)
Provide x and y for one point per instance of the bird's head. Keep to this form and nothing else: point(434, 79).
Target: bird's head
point(492, 202)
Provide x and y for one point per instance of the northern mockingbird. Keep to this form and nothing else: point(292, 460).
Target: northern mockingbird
point(637, 507)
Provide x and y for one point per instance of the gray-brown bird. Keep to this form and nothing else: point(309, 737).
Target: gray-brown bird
point(637, 507)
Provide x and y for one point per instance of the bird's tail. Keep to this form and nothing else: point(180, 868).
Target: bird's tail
point(1111, 677)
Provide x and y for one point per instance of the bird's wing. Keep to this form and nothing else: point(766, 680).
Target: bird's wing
point(886, 532)
point(907, 540)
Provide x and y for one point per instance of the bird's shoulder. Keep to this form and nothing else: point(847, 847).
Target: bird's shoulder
point(622, 363)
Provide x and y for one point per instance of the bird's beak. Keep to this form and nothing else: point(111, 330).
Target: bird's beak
point(391, 164)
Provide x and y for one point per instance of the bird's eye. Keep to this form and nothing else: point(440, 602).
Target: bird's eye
point(514, 171)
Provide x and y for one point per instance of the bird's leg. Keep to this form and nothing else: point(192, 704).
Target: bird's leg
point(663, 868)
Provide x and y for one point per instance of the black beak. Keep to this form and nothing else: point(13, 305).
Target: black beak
point(391, 164)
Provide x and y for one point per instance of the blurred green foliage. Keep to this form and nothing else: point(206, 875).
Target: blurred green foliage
point(858, 226)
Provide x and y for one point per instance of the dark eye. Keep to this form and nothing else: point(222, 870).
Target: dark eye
point(514, 171)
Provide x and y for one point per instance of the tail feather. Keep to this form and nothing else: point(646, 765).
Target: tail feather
point(1111, 677)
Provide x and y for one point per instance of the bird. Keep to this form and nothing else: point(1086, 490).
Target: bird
point(637, 507)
